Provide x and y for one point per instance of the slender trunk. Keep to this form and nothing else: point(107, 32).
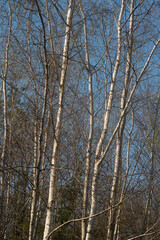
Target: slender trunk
point(2, 160)
point(88, 161)
point(90, 136)
point(111, 233)
point(42, 174)
point(7, 205)
point(33, 201)
point(58, 124)
point(39, 197)
point(129, 101)
point(103, 134)
point(8, 181)
point(116, 228)
point(38, 160)
point(55, 67)
point(114, 189)
point(3, 155)
point(99, 161)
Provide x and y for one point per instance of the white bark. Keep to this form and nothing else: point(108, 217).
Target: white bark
point(105, 128)
point(8, 182)
point(33, 201)
point(42, 176)
point(38, 152)
point(116, 228)
point(111, 139)
point(4, 78)
point(129, 100)
point(117, 165)
point(99, 160)
point(58, 123)
point(90, 136)
point(33, 197)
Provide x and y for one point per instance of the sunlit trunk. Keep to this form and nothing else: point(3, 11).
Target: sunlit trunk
point(103, 134)
point(90, 135)
point(2, 160)
point(111, 234)
point(38, 146)
point(52, 180)
point(116, 228)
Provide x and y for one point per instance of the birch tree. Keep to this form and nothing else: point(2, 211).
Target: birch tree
point(119, 127)
point(98, 160)
point(80, 139)
point(38, 161)
point(117, 164)
point(3, 154)
point(59, 121)
point(91, 126)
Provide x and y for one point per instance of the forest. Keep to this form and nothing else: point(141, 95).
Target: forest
point(80, 120)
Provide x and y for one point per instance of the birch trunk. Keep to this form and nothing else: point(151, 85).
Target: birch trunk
point(116, 228)
point(117, 166)
point(58, 124)
point(33, 201)
point(8, 182)
point(38, 159)
point(2, 160)
point(98, 160)
point(90, 136)
point(42, 174)
point(39, 198)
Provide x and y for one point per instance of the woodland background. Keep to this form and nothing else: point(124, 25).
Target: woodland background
point(80, 119)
